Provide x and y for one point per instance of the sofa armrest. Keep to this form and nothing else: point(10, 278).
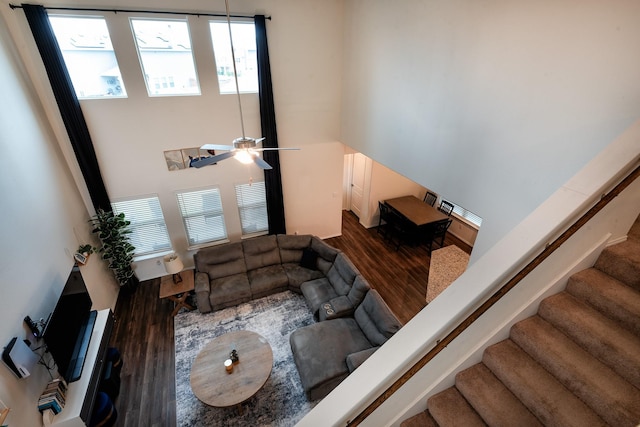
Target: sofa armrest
point(335, 308)
point(356, 359)
point(202, 288)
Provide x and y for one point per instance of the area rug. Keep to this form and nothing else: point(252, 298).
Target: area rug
point(281, 402)
point(447, 264)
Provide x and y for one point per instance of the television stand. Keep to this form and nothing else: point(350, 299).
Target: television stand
point(81, 394)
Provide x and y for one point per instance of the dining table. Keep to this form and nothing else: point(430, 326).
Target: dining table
point(415, 210)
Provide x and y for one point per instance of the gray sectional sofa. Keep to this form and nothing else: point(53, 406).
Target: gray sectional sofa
point(354, 320)
point(326, 352)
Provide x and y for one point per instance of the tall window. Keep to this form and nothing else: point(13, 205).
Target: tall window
point(244, 48)
point(252, 204)
point(89, 57)
point(148, 230)
point(164, 48)
point(202, 216)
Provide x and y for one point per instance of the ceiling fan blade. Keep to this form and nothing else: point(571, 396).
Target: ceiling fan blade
point(206, 161)
point(273, 149)
point(260, 139)
point(261, 163)
point(217, 147)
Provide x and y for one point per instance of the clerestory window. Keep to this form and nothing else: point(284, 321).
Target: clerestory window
point(88, 55)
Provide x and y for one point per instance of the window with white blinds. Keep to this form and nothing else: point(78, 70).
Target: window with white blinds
point(469, 216)
point(202, 216)
point(148, 229)
point(252, 204)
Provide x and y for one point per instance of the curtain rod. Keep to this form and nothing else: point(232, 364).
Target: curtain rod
point(81, 9)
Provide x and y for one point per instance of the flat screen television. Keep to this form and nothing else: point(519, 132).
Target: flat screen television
point(68, 330)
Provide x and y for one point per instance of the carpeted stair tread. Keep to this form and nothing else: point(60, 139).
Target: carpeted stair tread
point(611, 297)
point(622, 261)
point(615, 400)
point(491, 399)
point(551, 402)
point(423, 419)
point(616, 347)
point(634, 232)
point(448, 408)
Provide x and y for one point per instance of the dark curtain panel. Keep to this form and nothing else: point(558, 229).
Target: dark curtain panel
point(273, 180)
point(67, 103)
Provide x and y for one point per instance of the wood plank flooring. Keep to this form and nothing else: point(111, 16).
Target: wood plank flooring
point(143, 331)
point(400, 276)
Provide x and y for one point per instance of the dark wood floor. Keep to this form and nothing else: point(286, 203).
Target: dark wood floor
point(144, 327)
point(399, 275)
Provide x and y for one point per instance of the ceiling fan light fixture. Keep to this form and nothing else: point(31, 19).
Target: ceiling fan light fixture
point(244, 156)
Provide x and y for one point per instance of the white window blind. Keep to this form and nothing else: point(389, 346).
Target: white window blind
point(469, 216)
point(148, 229)
point(252, 204)
point(202, 216)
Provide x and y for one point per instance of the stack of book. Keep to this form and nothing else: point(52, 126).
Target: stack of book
point(53, 396)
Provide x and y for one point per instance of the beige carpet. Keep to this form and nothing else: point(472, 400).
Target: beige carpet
point(447, 264)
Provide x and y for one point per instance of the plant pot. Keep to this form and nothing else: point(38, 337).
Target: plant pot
point(130, 286)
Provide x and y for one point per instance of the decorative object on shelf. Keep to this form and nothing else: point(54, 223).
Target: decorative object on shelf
point(83, 252)
point(228, 365)
point(113, 231)
point(173, 265)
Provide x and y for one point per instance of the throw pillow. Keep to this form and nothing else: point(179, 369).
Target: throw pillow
point(309, 258)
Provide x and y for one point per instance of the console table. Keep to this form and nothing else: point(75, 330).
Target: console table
point(81, 394)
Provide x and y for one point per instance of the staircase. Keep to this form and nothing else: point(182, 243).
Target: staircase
point(575, 363)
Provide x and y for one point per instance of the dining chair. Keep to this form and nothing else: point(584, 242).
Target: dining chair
point(437, 231)
point(446, 207)
point(430, 198)
point(394, 229)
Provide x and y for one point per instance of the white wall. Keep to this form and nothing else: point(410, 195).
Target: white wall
point(44, 220)
point(130, 135)
point(491, 104)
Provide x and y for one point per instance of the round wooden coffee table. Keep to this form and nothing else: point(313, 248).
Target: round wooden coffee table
point(210, 381)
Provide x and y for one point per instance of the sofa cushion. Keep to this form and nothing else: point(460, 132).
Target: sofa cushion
point(291, 247)
point(261, 252)
point(267, 280)
point(326, 254)
point(358, 290)
point(342, 274)
point(356, 359)
point(297, 275)
point(230, 290)
point(320, 352)
point(309, 259)
point(376, 319)
point(317, 292)
point(221, 261)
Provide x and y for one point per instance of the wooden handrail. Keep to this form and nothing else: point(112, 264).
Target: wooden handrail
point(548, 250)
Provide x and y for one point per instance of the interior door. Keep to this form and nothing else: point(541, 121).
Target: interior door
point(357, 183)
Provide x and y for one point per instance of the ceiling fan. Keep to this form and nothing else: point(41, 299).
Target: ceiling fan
point(244, 149)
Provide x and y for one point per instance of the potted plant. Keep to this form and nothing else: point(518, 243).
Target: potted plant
point(113, 231)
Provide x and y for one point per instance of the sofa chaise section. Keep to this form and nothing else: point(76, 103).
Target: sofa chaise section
point(325, 353)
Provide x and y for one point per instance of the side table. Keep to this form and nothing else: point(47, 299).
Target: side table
point(177, 292)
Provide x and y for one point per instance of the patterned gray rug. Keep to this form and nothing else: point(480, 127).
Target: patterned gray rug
point(281, 402)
